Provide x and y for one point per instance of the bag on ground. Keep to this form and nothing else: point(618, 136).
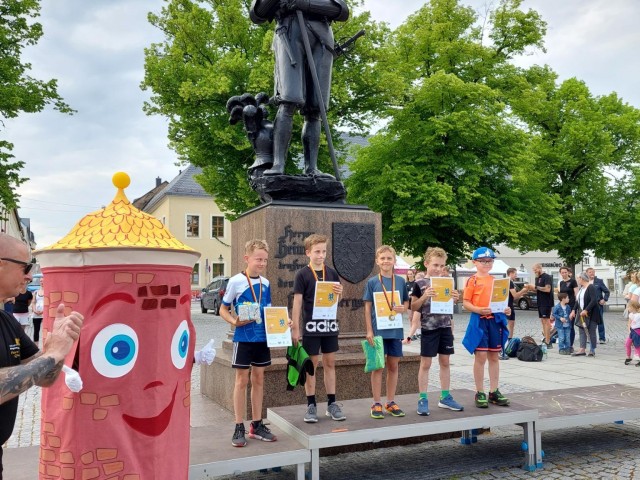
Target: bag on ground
point(529, 350)
point(374, 356)
point(512, 347)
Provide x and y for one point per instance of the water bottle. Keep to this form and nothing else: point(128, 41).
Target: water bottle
point(544, 351)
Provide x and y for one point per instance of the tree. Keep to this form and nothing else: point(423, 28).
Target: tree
point(453, 167)
point(19, 92)
point(211, 52)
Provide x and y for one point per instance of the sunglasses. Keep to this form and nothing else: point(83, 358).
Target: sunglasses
point(27, 266)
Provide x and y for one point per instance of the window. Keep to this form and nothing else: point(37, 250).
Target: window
point(217, 226)
point(585, 261)
point(217, 269)
point(195, 274)
point(598, 262)
point(193, 226)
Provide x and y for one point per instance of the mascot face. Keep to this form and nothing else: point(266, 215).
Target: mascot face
point(135, 356)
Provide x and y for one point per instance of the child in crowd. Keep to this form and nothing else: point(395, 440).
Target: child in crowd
point(560, 315)
point(487, 332)
point(387, 283)
point(634, 331)
point(437, 332)
point(249, 293)
point(319, 335)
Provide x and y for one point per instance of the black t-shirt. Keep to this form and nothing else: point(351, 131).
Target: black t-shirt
point(305, 284)
point(568, 288)
point(15, 347)
point(22, 302)
point(545, 299)
point(409, 286)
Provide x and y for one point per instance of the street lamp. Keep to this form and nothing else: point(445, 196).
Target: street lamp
point(522, 267)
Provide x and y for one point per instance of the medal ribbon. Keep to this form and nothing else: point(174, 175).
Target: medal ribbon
point(253, 293)
point(315, 275)
point(390, 304)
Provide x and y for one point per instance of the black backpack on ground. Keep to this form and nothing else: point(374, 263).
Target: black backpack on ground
point(529, 351)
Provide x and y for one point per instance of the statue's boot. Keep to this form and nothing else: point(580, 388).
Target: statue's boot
point(311, 145)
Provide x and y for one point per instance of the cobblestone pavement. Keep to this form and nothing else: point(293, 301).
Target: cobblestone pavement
point(599, 452)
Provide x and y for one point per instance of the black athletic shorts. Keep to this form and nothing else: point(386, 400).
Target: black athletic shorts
point(544, 312)
point(438, 341)
point(246, 354)
point(315, 345)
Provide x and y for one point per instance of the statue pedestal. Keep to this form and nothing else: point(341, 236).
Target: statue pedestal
point(354, 233)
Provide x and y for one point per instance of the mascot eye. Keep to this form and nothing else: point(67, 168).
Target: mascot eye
point(180, 345)
point(114, 350)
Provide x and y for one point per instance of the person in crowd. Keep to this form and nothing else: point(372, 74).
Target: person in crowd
point(248, 292)
point(587, 315)
point(386, 283)
point(22, 307)
point(567, 284)
point(319, 335)
point(602, 292)
point(38, 310)
point(437, 334)
point(543, 289)
point(487, 331)
point(512, 273)
point(22, 365)
point(409, 282)
point(634, 333)
point(562, 324)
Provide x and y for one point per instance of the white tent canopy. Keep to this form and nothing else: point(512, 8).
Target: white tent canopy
point(401, 265)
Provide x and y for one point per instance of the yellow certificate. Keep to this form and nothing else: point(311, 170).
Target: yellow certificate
point(276, 322)
point(386, 317)
point(325, 302)
point(443, 301)
point(499, 295)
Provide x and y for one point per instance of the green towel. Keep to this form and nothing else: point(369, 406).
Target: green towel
point(374, 356)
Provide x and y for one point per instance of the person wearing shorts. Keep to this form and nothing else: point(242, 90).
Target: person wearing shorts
point(544, 292)
point(437, 333)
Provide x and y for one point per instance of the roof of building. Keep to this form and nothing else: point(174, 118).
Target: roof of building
point(141, 202)
point(182, 185)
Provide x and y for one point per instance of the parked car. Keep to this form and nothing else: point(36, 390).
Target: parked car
point(211, 297)
point(530, 300)
point(34, 285)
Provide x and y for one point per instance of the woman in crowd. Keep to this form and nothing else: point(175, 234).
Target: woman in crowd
point(569, 286)
point(38, 310)
point(587, 316)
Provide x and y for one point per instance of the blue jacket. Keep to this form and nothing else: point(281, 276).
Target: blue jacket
point(473, 335)
point(601, 289)
point(558, 312)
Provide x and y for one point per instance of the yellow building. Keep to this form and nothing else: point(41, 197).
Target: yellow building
point(193, 217)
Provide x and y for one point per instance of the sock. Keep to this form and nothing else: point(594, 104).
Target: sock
point(255, 423)
point(423, 395)
point(444, 394)
point(331, 398)
point(311, 400)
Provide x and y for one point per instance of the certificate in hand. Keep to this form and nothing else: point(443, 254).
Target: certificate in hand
point(276, 322)
point(325, 302)
point(499, 295)
point(385, 317)
point(443, 301)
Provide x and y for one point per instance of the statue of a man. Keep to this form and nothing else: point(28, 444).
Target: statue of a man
point(294, 86)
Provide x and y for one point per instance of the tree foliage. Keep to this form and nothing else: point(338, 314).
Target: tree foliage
point(211, 52)
point(19, 92)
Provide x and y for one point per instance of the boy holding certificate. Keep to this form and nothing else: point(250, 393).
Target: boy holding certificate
point(249, 293)
point(385, 299)
point(316, 291)
point(433, 297)
point(487, 330)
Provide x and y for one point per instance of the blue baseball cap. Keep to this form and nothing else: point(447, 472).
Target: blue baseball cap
point(483, 252)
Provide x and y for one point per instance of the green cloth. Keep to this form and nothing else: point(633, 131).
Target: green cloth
point(299, 366)
point(374, 356)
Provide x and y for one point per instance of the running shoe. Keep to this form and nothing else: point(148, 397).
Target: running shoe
point(481, 400)
point(376, 411)
point(335, 412)
point(450, 403)
point(423, 407)
point(497, 398)
point(393, 408)
point(238, 439)
point(312, 414)
point(261, 432)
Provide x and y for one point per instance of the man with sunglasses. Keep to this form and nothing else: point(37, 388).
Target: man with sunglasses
point(22, 365)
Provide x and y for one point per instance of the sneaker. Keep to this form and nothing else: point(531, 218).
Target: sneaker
point(549, 346)
point(312, 414)
point(503, 356)
point(603, 341)
point(450, 403)
point(238, 439)
point(393, 408)
point(261, 432)
point(481, 400)
point(627, 361)
point(376, 411)
point(497, 398)
point(638, 364)
point(423, 407)
point(335, 412)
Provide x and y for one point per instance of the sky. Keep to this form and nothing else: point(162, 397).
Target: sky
point(95, 51)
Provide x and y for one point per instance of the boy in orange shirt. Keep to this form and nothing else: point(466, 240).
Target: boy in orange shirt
point(487, 332)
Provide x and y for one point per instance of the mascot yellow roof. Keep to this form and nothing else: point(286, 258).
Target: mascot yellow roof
point(119, 224)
